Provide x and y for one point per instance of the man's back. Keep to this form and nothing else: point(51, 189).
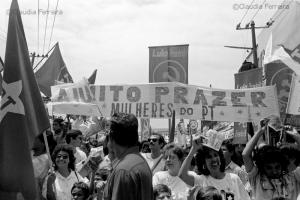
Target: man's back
point(131, 178)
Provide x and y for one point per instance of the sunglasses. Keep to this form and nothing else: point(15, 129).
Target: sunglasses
point(152, 139)
point(164, 196)
point(62, 156)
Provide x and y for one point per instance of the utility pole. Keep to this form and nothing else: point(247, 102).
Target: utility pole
point(252, 26)
point(33, 56)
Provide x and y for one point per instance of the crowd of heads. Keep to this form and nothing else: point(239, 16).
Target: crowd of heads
point(272, 161)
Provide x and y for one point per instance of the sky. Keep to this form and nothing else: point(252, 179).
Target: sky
point(113, 36)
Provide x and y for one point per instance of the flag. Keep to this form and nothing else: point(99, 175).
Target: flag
point(22, 114)
point(92, 78)
point(145, 128)
point(53, 70)
point(289, 57)
point(293, 106)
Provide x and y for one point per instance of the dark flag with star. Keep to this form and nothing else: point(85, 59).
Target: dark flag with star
point(22, 115)
point(52, 72)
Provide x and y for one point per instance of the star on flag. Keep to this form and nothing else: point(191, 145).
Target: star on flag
point(10, 101)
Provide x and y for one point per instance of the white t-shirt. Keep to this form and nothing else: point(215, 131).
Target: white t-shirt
point(63, 185)
point(151, 162)
point(178, 187)
point(230, 187)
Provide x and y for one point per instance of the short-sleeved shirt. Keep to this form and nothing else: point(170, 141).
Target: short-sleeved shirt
point(264, 189)
point(230, 187)
point(63, 185)
point(159, 167)
point(131, 178)
point(178, 187)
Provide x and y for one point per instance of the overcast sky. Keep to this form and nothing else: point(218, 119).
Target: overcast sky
point(114, 35)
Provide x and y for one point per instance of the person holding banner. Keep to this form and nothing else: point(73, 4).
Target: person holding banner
point(212, 167)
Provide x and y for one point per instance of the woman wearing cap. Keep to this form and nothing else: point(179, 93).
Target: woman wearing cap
point(211, 164)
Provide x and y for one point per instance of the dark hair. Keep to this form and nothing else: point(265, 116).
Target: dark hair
point(161, 139)
point(105, 148)
point(60, 121)
point(202, 155)
point(124, 129)
point(72, 134)
point(51, 141)
point(208, 193)
point(269, 154)
point(291, 151)
point(172, 148)
point(144, 147)
point(160, 188)
point(68, 149)
point(229, 145)
point(84, 188)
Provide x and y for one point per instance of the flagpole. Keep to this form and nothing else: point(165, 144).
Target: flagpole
point(50, 160)
point(45, 56)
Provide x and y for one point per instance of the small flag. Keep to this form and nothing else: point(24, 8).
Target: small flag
point(53, 70)
point(22, 114)
point(145, 128)
point(92, 78)
point(280, 53)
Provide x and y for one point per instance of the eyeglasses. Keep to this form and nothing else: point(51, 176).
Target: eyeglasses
point(152, 139)
point(62, 156)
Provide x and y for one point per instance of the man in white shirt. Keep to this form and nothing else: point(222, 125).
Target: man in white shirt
point(155, 158)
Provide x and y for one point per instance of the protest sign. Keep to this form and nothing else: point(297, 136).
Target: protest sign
point(168, 63)
point(158, 100)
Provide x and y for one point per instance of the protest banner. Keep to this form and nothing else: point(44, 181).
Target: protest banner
point(158, 100)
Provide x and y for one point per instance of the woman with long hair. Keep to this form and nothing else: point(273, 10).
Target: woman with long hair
point(64, 175)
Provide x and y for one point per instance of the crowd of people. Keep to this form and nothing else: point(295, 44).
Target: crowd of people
point(117, 166)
